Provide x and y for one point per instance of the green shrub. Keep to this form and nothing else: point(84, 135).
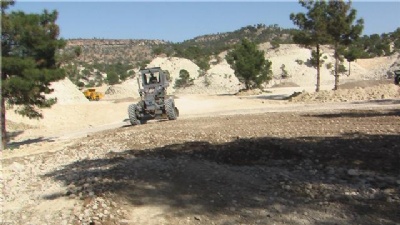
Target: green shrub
point(329, 66)
point(112, 78)
point(184, 80)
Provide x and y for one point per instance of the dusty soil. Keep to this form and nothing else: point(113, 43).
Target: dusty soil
point(252, 158)
point(322, 158)
point(308, 167)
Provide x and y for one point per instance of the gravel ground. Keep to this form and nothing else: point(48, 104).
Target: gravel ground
point(338, 167)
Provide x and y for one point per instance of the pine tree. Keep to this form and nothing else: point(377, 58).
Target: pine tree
point(341, 29)
point(249, 64)
point(351, 54)
point(313, 30)
point(29, 48)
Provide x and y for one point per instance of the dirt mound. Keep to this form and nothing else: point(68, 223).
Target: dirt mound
point(212, 84)
point(285, 84)
point(129, 88)
point(66, 92)
point(364, 83)
point(382, 91)
point(379, 67)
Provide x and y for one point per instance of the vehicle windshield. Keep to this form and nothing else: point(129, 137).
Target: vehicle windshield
point(151, 78)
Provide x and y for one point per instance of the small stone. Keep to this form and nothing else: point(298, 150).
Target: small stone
point(71, 186)
point(389, 191)
point(278, 208)
point(389, 199)
point(264, 213)
point(331, 171)
point(353, 172)
point(17, 167)
point(72, 196)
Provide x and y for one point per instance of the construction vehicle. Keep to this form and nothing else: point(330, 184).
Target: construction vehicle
point(154, 103)
point(397, 77)
point(93, 95)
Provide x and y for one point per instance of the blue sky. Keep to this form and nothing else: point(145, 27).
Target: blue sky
point(179, 21)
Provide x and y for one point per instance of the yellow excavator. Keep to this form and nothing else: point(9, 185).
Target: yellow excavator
point(93, 95)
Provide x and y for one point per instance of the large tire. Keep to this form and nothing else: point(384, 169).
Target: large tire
point(170, 109)
point(132, 113)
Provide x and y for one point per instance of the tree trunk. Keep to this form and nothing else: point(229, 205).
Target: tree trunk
point(3, 124)
point(247, 84)
point(349, 68)
point(318, 71)
point(336, 68)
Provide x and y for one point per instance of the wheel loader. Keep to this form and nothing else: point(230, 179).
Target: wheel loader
point(154, 103)
point(93, 95)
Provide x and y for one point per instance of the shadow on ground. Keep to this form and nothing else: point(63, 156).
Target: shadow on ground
point(380, 102)
point(17, 144)
point(257, 180)
point(359, 113)
point(273, 97)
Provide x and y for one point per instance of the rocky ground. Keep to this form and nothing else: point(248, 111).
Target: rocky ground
point(358, 91)
point(317, 167)
point(231, 158)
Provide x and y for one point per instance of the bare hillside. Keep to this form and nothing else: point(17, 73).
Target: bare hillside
point(106, 51)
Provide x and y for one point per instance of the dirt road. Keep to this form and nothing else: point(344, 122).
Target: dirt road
point(307, 164)
point(66, 121)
